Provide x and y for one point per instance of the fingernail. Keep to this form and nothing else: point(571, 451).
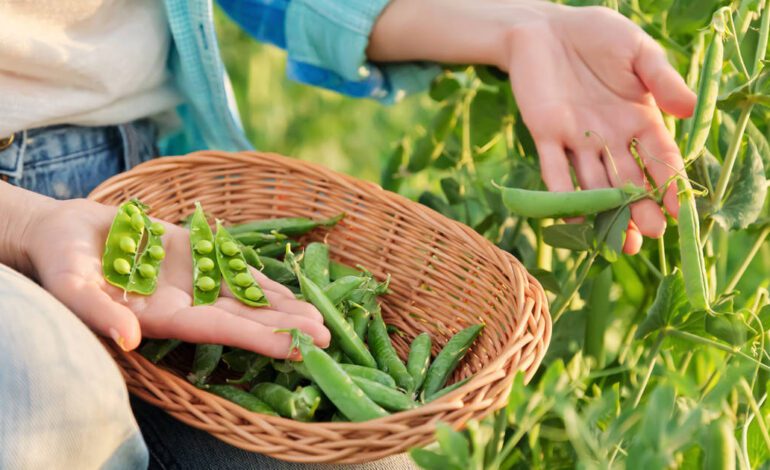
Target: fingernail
point(118, 339)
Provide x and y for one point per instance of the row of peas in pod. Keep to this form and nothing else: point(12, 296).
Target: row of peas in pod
point(358, 377)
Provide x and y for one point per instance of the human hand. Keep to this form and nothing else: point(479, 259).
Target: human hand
point(588, 77)
point(65, 244)
point(583, 78)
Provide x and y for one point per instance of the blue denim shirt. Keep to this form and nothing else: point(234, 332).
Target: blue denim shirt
point(325, 42)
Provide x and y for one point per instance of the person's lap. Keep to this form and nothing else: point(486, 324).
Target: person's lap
point(63, 402)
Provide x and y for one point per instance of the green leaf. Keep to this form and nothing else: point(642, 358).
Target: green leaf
point(686, 16)
point(747, 197)
point(760, 141)
point(576, 237)
point(491, 75)
point(437, 203)
point(430, 460)
point(486, 116)
point(547, 280)
point(729, 328)
point(391, 177)
point(444, 86)
point(453, 444)
point(655, 6)
point(452, 190)
point(670, 304)
point(754, 91)
point(609, 229)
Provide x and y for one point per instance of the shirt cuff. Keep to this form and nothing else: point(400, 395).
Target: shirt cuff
point(326, 43)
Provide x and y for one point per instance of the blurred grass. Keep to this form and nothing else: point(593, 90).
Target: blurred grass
point(349, 135)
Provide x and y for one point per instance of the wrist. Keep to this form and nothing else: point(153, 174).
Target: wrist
point(19, 210)
point(457, 31)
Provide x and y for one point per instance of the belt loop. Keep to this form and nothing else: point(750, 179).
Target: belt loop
point(12, 158)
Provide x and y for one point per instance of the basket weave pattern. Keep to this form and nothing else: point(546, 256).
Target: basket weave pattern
point(444, 277)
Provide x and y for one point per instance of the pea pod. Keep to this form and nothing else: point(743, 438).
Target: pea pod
point(719, 446)
point(288, 379)
point(386, 356)
point(338, 290)
point(242, 398)
point(258, 238)
point(251, 256)
point(207, 278)
point(275, 249)
point(386, 397)
point(292, 226)
point(368, 373)
point(446, 390)
point(708, 94)
point(277, 270)
point(123, 239)
point(337, 385)
point(255, 366)
point(315, 263)
point(341, 331)
point(448, 358)
point(693, 265)
point(361, 318)
point(419, 358)
point(549, 204)
point(284, 401)
point(207, 357)
point(307, 399)
point(338, 270)
point(234, 269)
point(144, 275)
point(155, 350)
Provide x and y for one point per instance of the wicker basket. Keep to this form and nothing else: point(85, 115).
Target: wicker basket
point(444, 277)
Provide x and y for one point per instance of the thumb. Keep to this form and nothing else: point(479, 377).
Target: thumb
point(666, 85)
point(98, 310)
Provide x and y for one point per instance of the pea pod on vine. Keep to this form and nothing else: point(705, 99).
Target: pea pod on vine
point(548, 204)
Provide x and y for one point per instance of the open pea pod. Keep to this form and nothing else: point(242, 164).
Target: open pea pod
point(123, 239)
point(144, 276)
point(207, 279)
point(235, 270)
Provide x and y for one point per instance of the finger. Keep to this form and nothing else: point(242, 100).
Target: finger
point(98, 310)
point(664, 82)
point(212, 325)
point(278, 319)
point(662, 159)
point(271, 285)
point(298, 307)
point(554, 166)
point(646, 214)
point(590, 170)
point(633, 242)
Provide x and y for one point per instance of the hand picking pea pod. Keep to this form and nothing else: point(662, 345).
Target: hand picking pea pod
point(549, 204)
point(235, 270)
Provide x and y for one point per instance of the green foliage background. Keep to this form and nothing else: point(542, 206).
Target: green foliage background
point(346, 134)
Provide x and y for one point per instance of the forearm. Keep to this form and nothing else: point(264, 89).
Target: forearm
point(452, 31)
point(18, 209)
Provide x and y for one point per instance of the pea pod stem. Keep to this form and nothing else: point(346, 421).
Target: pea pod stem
point(747, 260)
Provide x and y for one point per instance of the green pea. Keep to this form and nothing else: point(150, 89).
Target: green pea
point(127, 244)
point(243, 279)
point(157, 252)
point(137, 221)
point(230, 248)
point(205, 283)
point(205, 264)
point(157, 228)
point(253, 293)
point(147, 270)
point(204, 247)
point(132, 210)
point(121, 265)
point(237, 264)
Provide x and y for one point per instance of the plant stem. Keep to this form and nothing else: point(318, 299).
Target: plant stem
point(654, 270)
point(561, 303)
point(650, 368)
point(747, 260)
point(731, 156)
point(662, 256)
point(722, 347)
point(757, 412)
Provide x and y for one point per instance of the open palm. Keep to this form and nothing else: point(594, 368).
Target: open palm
point(65, 250)
point(592, 79)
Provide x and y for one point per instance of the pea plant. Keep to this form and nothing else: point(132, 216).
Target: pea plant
point(658, 360)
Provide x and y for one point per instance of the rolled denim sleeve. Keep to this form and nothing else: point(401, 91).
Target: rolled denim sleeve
point(326, 44)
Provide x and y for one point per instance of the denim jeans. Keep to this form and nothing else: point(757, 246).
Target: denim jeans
point(63, 403)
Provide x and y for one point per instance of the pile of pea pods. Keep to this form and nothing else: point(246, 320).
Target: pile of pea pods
point(358, 377)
